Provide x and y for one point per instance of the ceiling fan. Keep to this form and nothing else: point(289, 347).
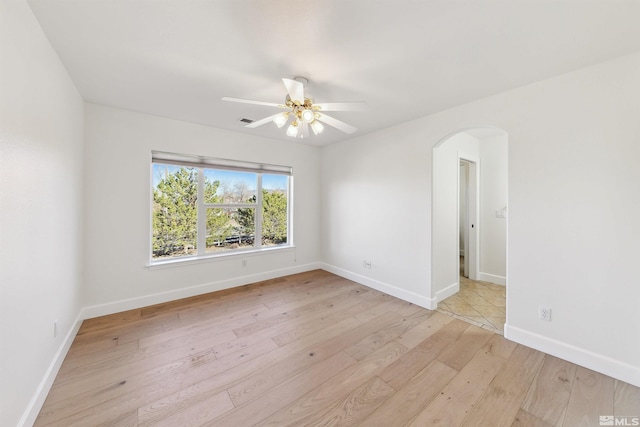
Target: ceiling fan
point(302, 111)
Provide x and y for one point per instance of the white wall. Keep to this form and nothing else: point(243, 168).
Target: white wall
point(462, 200)
point(375, 208)
point(117, 214)
point(41, 125)
point(445, 273)
point(573, 202)
point(493, 197)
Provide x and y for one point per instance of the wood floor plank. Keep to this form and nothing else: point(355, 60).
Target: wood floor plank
point(139, 361)
point(424, 330)
point(501, 402)
point(549, 394)
point(337, 336)
point(255, 410)
point(324, 320)
point(382, 336)
point(591, 396)
point(626, 402)
point(81, 361)
point(176, 331)
point(205, 410)
point(307, 333)
point(500, 346)
point(308, 310)
point(525, 419)
point(236, 299)
point(328, 352)
point(314, 287)
point(133, 364)
point(123, 332)
point(125, 394)
point(349, 410)
point(302, 306)
point(402, 406)
point(402, 370)
point(458, 397)
point(129, 419)
point(290, 366)
point(463, 350)
point(167, 405)
point(306, 408)
point(81, 348)
point(123, 318)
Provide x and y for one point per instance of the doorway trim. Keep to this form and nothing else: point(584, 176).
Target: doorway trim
point(472, 223)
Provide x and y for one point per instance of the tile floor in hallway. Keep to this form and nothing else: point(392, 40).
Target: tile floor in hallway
point(480, 303)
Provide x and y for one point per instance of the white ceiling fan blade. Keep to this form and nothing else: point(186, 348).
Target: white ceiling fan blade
point(338, 124)
point(248, 101)
point(295, 90)
point(341, 106)
point(261, 121)
point(304, 130)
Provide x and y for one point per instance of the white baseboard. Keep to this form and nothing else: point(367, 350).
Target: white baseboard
point(498, 280)
point(161, 297)
point(33, 408)
point(579, 356)
point(412, 297)
point(445, 293)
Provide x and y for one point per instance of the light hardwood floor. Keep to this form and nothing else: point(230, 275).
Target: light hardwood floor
point(315, 349)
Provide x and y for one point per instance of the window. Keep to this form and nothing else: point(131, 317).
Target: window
point(206, 207)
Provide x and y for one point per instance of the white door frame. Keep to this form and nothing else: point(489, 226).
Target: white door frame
point(471, 241)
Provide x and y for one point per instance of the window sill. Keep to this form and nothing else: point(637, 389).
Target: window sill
point(236, 255)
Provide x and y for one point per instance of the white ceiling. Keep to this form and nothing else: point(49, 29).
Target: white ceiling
point(405, 58)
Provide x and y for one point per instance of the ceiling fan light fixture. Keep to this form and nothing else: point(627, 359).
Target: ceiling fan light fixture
point(302, 111)
point(281, 119)
point(316, 127)
point(292, 130)
point(308, 115)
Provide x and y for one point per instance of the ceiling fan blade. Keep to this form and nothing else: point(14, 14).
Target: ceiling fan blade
point(341, 106)
point(248, 101)
point(295, 90)
point(338, 124)
point(261, 121)
point(304, 130)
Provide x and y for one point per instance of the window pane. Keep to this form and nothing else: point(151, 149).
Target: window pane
point(175, 211)
point(229, 228)
point(223, 186)
point(274, 209)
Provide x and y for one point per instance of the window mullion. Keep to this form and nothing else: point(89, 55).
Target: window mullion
point(230, 205)
point(202, 215)
point(258, 215)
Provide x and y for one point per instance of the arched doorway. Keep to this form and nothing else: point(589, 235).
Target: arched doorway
point(471, 163)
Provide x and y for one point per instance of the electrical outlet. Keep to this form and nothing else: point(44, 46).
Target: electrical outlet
point(366, 264)
point(55, 328)
point(244, 262)
point(545, 313)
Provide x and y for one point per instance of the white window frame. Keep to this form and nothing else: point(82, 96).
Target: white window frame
point(201, 163)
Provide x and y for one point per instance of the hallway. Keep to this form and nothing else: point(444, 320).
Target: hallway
point(479, 303)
